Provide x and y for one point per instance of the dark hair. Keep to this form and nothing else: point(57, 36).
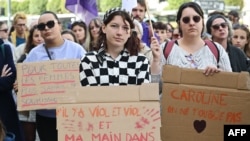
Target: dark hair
point(244, 28)
point(172, 27)
point(211, 19)
point(98, 23)
point(29, 44)
point(67, 31)
point(234, 13)
point(196, 8)
point(52, 13)
point(84, 26)
point(142, 3)
point(133, 42)
point(216, 12)
point(160, 25)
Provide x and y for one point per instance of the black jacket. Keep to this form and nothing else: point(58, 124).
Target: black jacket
point(237, 58)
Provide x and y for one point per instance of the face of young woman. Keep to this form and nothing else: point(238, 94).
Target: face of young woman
point(191, 23)
point(239, 38)
point(79, 32)
point(94, 30)
point(117, 32)
point(37, 37)
point(49, 27)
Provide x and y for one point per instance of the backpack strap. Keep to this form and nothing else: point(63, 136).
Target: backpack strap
point(212, 46)
point(168, 47)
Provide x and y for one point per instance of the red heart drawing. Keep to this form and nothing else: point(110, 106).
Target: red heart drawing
point(199, 125)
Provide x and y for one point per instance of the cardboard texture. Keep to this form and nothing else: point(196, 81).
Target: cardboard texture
point(95, 114)
point(41, 84)
point(199, 112)
point(172, 74)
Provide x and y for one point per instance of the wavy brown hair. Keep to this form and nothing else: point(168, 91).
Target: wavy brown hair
point(29, 44)
point(133, 42)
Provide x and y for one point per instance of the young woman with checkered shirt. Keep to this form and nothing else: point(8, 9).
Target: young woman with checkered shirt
point(118, 61)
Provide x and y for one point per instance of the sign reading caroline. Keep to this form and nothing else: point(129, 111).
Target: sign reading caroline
point(199, 112)
point(135, 120)
point(41, 84)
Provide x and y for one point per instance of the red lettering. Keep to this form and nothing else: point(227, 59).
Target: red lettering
point(106, 137)
point(234, 117)
point(148, 136)
point(73, 138)
point(199, 97)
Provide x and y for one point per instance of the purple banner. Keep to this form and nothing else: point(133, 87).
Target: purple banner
point(84, 9)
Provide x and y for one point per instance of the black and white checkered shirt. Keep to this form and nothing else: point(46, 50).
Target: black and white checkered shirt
point(100, 69)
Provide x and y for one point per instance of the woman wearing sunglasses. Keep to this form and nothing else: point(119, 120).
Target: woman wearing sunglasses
point(220, 30)
point(55, 47)
point(191, 51)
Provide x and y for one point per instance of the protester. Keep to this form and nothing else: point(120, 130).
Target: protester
point(20, 34)
point(118, 61)
point(234, 17)
point(28, 118)
point(54, 48)
point(4, 35)
point(218, 27)
point(170, 30)
point(138, 13)
point(80, 30)
point(191, 51)
point(94, 32)
point(176, 34)
point(241, 36)
point(144, 48)
point(8, 112)
point(161, 30)
point(69, 35)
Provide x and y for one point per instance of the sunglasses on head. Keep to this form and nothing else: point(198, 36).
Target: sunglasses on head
point(4, 30)
point(217, 26)
point(49, 24)
point(186, 20)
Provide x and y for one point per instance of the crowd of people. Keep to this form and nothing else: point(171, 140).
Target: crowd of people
point(119, 49)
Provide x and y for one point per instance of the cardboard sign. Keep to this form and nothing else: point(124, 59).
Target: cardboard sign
point(101, 120)
point(41, 84)
point(191, 112)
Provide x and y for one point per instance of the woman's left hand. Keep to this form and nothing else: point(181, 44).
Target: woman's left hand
point(210, 70)
point(6, 71)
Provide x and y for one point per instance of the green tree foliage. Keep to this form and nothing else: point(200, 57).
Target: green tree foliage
point(23, 6)
point(37, 6)
point(105, 5)
point(64, 10)
point(54, 5)
point(175, 4)
point(234, 3)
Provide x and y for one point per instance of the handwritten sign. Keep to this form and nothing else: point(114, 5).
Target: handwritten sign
point(109, 121)
point(200, 112)
point(41, 84)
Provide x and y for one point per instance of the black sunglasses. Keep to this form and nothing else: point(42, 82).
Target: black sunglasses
point(49, 24)
point(217, 26)
point(4, 30)
point(196, 19)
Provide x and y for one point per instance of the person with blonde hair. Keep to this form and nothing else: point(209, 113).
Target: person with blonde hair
point(20, 34)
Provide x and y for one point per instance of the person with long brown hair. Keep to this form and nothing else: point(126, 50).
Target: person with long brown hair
point(28, 118)
point(118, 61)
